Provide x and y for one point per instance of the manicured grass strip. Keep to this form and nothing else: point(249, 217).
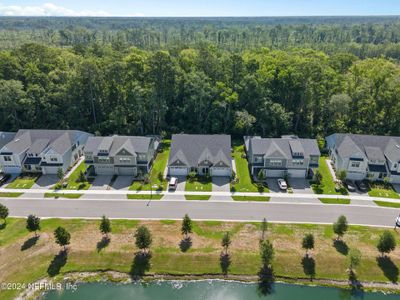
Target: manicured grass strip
point(383, 193)
point(73, 178)
point(22, 182)
point(62, 195)
point(198, 197)
point(244, 183)
point(10, 195)
point(327, 185)
point(145, 197)
point(334, 201)
point(198, 184)
point(251, 198)
point(388, 204)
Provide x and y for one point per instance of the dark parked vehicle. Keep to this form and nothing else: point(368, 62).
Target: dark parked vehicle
point(351, 186)
point(362, 186)
point(4, 178)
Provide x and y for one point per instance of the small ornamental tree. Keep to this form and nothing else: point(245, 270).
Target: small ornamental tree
point(105, 226)
point(308, 242)
point(33, 224)
point(266, 252)
point(226, 242)
point(340, 227)
point(143, 238)
point(261, 176)
point(82, 177)
point(341, 175)
point(3, 212)
point(60, 174)
point(387, 242)
point(318, 177)
point(186, 226)
point(62, 237)
point(354, 259)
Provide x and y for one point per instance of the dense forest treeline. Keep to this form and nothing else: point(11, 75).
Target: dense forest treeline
point(365, 37)
point(199, 89)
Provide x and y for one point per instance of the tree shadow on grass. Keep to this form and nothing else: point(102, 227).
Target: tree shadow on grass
point(308, 264)
point(103, 243)
point(185, 244)
point(3, 225)
point(266, 281)
point(341, 247)
point(354, 282)
point(29, 243)
point(225, 262)
point(389, 269)
point(140, 264)
point(57, 263)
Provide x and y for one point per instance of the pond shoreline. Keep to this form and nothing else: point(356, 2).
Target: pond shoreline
point(125, 278)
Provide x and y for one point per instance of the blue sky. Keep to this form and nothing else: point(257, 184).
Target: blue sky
point(200, 7)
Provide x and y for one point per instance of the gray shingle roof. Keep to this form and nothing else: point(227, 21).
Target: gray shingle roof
point(114, 144)
point(190, 149)
point(282, 147)
point(6, 137)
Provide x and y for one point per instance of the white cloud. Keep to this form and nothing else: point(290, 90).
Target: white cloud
point(50, 9)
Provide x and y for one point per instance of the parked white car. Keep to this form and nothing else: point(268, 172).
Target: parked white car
point(282, 184)
point(173, 183)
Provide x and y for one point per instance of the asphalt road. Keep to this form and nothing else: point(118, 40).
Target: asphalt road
point(202, 210)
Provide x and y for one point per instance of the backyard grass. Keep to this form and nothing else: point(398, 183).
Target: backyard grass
point(197, 197)
point(382, 190)
point(388, 204)
point(156, 177)
point(198, 184)
point(334, 201)
point(62, 195)
point(38, 258)
point(23, 182)
point(73, 178)
point(327, 185)
point(251, 198)
point(10, 195)
point(244, 183)
point(144, 197)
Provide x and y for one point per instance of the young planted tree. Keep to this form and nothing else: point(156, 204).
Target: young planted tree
point(143, 238)
point(33, 224)
point(62, 237)
point(60, 174)
point(266, 252)
point(226, 242)
point(3, 212)
point(261, 176)
point(354, 259)
point(186, 226)
point(82, 177)
point(341, 175)
point(387, 243)
point(308, 242)
point(340, 227)
point(105, 226)
point(318, 177)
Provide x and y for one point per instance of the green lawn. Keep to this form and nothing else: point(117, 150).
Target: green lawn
point(145, 197)
point(382, 190)
point(251, 198)
point(157, 180)
point(62, 195)
point(198, 197)
point(198, 184)
point(334, 201)
point(388, 204)
point(244, 183)
point(10, 195)
point(73, 178)
point(23, 182)
point(327, 185)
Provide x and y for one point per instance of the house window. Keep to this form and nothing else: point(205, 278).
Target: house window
point(7, 158)
point(275, 163)
point(141, 157)
point(298, 162)
point(355, 164)
point(124, 160)
point(53, 158)
point(258, 159)
point(103, 159)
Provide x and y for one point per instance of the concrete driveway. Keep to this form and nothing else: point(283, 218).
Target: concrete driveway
point(101, 182)
point(122, 182)
point(300, 186)
point(45, 182)
point(273, 185)
point(221, 184)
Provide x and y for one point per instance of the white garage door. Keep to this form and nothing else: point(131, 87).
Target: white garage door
point(274, 173)
point(12, 170)
point(220, 172)
point(297, 173)
point(178, 171)
point(126, 171)
point(104, 170)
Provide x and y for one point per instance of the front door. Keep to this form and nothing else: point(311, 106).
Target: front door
point(205, 171)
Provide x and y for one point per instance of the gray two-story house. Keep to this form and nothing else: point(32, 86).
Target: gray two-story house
point(279, 157)
point(42, 151)
point(120, 155)
point(365, 156)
